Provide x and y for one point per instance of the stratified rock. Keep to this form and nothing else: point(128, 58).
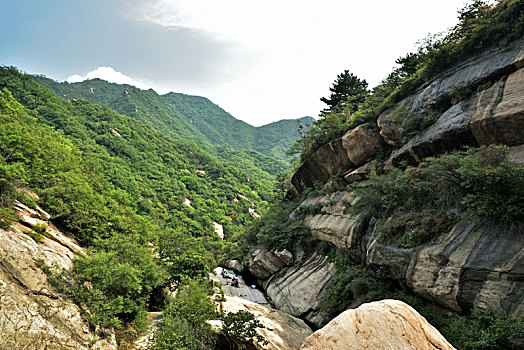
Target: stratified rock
point(299, 290)
point(435, 96)
point(477, 265)
point(362, 143)
point(360, 173)
point(387, 324)
point(451, 131)
point(234, 265)
point(489, 65)
point(282, 331)
point(33, 315)
point(332, 224)
point(325, 162)
point(263, 263)
point(501, 120)
point(493, 116)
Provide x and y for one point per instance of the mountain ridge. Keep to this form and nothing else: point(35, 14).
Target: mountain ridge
point(183, 116)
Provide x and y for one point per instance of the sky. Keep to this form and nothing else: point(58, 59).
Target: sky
point(261, 61)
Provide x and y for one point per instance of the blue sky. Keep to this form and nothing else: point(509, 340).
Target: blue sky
point(260, 61)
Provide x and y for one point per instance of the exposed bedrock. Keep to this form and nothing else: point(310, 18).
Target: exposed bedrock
point(33, 315)
point(478, 264)
point(492, 116)
point(435, 96)
point(346, 153)
point(295, 288)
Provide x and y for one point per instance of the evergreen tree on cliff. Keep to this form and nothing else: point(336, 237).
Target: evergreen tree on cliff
point(347, 91)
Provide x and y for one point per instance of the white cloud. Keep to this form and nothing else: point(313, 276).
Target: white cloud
point(108, 74)
point(300, 46)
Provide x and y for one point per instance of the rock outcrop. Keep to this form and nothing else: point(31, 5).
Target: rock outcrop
point(493, 116)
point(262, 264)
point(301, 288)
point(341, 155)
point(33, 315)
point(282, 331)
point(476, 265)
point(387, 324)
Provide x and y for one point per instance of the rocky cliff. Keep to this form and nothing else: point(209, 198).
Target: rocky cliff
point(33, 315)
point(494, 114)
point(478, 263)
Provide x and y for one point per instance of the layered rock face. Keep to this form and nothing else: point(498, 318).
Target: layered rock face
point(33, 315)
point(295, 289)
point(478, 264)
point(493, 115)
point(282, 331)
point(341, 155)
point(300, 290)
point(387, 324)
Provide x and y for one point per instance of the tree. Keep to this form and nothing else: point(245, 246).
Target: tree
point(347, 91)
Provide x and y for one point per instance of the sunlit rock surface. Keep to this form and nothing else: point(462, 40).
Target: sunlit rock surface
point(387, 324)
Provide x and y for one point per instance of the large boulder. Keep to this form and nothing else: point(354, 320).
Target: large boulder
point(299, 291)
point(387, 324)
point(362, 143)
point(325, 162)
point(346, 153)
point(262, 264)
point(282, 331)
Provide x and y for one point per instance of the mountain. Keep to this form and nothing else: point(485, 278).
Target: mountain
point(185, 117)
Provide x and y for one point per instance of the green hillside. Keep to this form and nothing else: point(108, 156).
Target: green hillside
point(186, 117)
point(121, 188)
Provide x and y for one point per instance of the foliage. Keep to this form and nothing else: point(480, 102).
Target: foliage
point(6, 217)
point(277, 230)
point(481, 26)
point(482, 179)
point(348, 93)
point(242, 326)
point(40, 228)
point(480, 331)
point(113, 284)
point(185, 317)
point(412, 229)
point(192, 118)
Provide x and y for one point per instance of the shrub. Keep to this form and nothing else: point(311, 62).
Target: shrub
point(40, 228)
point(6, 217)
point(412, 229)
point(482, 179)
point(242, 327)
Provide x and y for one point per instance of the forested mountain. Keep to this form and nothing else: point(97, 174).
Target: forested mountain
point(120, 188)
point(187, 117)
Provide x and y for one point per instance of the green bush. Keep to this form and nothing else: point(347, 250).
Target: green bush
point(6, 217)
point(41, 228)
point(482, 179)
point(241, 327)
point(412, 229)
point(185, 317)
